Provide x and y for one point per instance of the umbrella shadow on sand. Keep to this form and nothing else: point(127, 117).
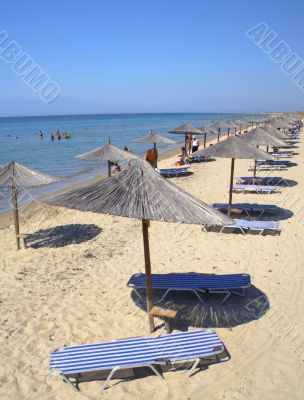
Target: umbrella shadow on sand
point(60, 236)
point(237, 310)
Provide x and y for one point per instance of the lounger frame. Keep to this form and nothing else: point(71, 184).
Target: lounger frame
point(216, 352)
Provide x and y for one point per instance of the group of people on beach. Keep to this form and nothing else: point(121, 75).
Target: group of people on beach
point(192, 145)
point(58, 135)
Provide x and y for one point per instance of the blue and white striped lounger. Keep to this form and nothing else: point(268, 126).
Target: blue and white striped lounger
point(253, 226)
point(196, 283)
point(283, 154)
point(248, 208)
point(269, 167)
point(259, 189)
point(171, 172)
point(191, 346)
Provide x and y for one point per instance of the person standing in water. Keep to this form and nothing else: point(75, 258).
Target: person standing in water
point(52, 137)
point(41, 135)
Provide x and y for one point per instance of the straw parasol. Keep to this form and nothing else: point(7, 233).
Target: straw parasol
point(275, 132)
point(154, 138)
point(14, 175)
point(220, 124)
point(233, 147)
point(279, 124)
point(186, 129)
point(107, 153)
point(206, 129)
point(259, 137)
point(140, 192)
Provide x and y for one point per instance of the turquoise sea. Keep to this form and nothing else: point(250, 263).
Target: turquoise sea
point(20, 141)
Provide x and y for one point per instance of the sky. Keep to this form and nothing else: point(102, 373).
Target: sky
point(136, 56)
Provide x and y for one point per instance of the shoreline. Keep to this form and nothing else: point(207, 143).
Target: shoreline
point(28, 209)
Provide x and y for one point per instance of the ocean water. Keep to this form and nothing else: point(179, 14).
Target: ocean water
point(20, 141)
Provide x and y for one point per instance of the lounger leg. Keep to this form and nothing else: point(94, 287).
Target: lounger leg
point(196, 362)
point(138, 294)
point(226, 297)
point(198, 296)
point(106, 384)
point(66, 380)
point(166, 292)
point(156, 372)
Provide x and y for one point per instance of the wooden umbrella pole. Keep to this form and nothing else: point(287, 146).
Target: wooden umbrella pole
point(186, 142)
point(145, 232)
point(154, 159)
point(218, 135)
point(109, 168)
point(205, 139)
point(254, 171)
point(231, 187)
point(16, 215)
point(234, 131)
point(228, 132)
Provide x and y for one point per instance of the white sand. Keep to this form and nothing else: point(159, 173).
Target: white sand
point(77, 293)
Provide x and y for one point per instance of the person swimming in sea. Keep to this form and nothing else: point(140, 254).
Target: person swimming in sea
point(41, 135)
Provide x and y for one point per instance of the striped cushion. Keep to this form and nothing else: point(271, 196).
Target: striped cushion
point(190, 281)
point(136, 352)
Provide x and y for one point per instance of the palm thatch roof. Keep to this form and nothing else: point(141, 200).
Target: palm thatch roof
point(106, 153)
point(279, 124)
point(220, 124)
point(275, 132)
point(259, 137)
point(19, 175)
point(154, 138)
point(239, 122)
point(186, 129)
point(207, 129)
point(140, 192)
point(234, 147)
point(232, 124)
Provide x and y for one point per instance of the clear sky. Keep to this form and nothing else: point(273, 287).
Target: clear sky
point(122, 56)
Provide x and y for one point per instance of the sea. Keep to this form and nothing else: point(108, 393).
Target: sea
point(20, 141)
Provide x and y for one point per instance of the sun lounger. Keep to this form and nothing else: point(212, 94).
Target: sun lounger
point(199, 159)
point(247, 208)
point(245, 226)
point(196, 283)
point(259, 189)
point(274, 162)
point(172, 172)
point(269, 167)
point(259, 180)
point(122, 354)
point(283, 154)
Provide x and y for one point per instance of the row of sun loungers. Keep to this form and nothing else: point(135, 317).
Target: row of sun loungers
point(72, 363)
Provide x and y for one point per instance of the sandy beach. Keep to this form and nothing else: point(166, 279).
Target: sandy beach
point(70, 288)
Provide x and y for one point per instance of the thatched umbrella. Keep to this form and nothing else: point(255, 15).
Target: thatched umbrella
point(240, 123)
point(186, 129)
point(14, 176)
point(233, 147)
point(140, 192)
point(279, 124)
point(154, 138)
point(258, 137)
point(205, 129)
point(275, 132)
point(107, 153)
point(220, 124)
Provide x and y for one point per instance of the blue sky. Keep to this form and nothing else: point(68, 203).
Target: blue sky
point(159, 56)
